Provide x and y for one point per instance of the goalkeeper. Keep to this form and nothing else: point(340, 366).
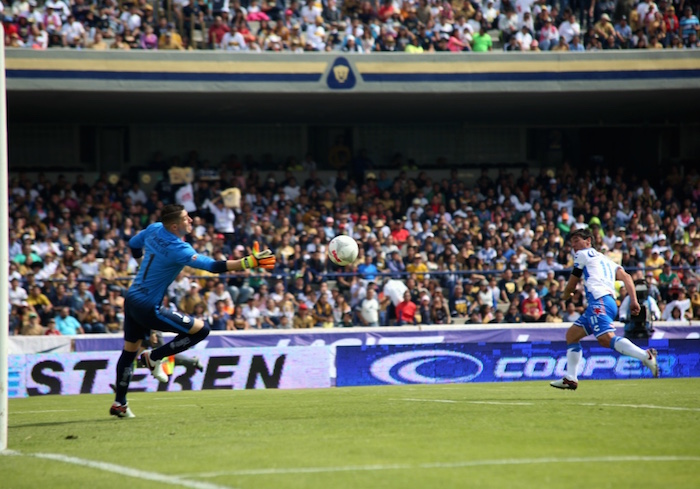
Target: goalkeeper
point(165, 254)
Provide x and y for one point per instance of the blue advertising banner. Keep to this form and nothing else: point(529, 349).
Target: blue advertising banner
point(495, 362)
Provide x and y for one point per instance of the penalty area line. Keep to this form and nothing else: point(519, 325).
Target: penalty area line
point(449, 465)
point(120, 469)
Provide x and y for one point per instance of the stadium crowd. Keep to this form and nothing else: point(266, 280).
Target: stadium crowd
point(431, 252)
point(352, 25)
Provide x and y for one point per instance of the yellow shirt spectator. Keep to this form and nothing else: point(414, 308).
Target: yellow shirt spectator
point(417, 267)
point(655, 262)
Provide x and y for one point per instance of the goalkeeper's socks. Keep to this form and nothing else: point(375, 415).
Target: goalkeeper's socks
point(124, 371)
point(179, 344)
point(626, 347)
point(573, 358)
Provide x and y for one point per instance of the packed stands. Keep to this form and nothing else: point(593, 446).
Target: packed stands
point(424, 26)
point(431, 252)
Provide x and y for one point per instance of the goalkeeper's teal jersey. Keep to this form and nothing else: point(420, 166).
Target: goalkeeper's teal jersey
point(164, 257)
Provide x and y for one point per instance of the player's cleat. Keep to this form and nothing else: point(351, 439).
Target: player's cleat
point(651, 362)
point(564, 384)
point(121, 411)
point(198, 364)
point(156, 367)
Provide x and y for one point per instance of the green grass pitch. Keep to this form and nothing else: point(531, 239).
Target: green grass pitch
point(607, 434)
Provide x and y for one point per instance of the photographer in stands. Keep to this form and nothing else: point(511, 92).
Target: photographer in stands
point(640, 325)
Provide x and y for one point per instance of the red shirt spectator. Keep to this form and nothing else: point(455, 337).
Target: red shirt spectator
point(406, 310)
point(531, 307)
point(217, 31)
point(671, 21)
point(399, 233)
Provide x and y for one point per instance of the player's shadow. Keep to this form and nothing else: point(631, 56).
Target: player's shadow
point(61, 423)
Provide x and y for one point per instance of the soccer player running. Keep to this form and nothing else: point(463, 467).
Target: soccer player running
point(600, 274)
point(165, 254)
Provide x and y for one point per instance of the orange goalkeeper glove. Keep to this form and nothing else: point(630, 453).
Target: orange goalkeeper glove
point(263, 259)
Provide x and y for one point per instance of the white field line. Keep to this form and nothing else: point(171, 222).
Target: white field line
point(44, 411)
point(121, 470)
point(505, 403)
point(638, 406)
point(448, 465)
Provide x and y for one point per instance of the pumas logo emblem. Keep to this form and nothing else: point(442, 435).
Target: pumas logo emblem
point(341, 75)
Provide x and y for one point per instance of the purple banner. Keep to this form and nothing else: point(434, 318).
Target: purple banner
point(386, 336)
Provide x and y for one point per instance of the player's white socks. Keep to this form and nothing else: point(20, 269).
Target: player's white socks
point(626, 347)
point(573, 358)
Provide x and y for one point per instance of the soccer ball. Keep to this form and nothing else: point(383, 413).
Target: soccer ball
point(343, 250)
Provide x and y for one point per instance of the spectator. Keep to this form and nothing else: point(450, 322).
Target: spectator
point(303, 319)
point(440, 311)
point(553, 315)
point(549, 35)
point(406, 310)
point(238, 319)
point(220, 318)
point(368, 270)
point(67, 324)
point(218, 294)
point(17, 294)
point(688, 24)
point(570, 314)
point(91, 319)
point(682, 305)
point(340, 310)
point(271, 315)
point(51, 328)
point(252, 314)
point(576, 44)
point(543, 267)
point(531, 307)
point(40, 303)
point(623, 32)
point(369, 309)
point(33, 327)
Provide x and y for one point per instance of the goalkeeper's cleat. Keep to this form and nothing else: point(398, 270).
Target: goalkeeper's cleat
point(156, 367)
point(564, 384)
point(121, 411)
point(198, 364)
point(651, 362)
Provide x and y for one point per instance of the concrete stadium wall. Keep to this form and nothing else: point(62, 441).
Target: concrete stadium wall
point(57, 70)
point(109, 111)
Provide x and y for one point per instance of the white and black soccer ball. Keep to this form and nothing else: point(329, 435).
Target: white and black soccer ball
point(343, 250)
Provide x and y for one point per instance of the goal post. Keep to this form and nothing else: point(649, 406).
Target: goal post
point(4, 250)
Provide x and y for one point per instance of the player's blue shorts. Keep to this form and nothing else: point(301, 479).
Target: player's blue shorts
point(140, 319)
point(598, 316)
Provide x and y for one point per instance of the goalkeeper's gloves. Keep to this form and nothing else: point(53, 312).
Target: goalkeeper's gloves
point(263, 259)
